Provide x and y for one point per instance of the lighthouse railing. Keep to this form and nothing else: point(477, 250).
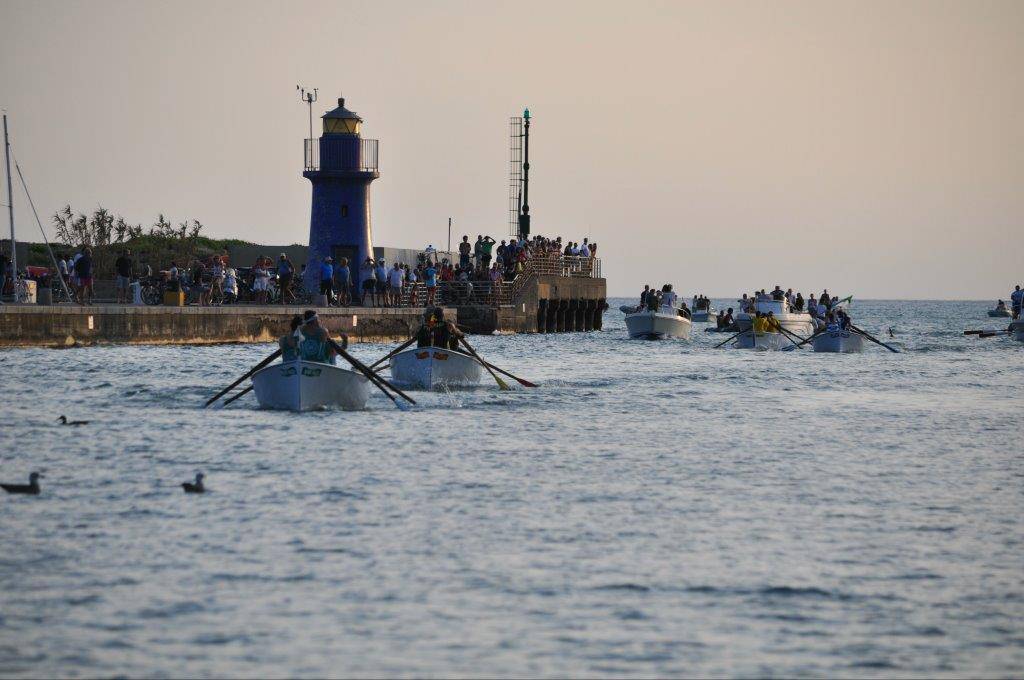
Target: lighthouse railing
point(340, 153)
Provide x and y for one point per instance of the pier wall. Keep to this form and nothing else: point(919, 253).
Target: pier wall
point(545, 304)
point(62, 326)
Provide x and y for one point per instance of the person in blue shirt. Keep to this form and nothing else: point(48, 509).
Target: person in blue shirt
point(430, 280)
point(285, 274)
point(327, 279)
point(344, 278)
point(1016, 298)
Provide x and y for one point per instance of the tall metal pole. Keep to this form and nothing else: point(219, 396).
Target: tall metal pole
point(524, 215)
point(449, 236)
point(10, 203)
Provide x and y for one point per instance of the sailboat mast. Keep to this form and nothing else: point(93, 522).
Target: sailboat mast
point(10, 202)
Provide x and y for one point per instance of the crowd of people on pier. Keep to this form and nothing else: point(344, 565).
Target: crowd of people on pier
point(482, 271)
point(478, 273)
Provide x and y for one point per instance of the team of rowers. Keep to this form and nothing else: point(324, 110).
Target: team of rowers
point(309, 341)
point(824, 311)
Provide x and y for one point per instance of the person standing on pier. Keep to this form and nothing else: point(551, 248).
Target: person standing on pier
point(327, 279)
point(464, 250)
point(366, 281)
point(343, 277)
point(285, 275)
point(83, 268)
point(123, 269)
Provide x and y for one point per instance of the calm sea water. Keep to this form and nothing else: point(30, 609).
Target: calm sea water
point(652, 509)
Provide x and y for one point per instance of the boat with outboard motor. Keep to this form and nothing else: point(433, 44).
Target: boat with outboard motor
point(430, 367)
point(841, 341)
point(664, 323)
point(308, 386)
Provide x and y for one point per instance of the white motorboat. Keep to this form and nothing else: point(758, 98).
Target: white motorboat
point(309, 385)
point(844, 342)
point(800, 323)
point(1000, 312)
point(664, 323)
point(704, 315)
point(762, 341)
point(430, 367)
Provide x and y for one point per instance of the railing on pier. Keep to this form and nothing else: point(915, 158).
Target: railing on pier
point(343, 153)
point(502, 292)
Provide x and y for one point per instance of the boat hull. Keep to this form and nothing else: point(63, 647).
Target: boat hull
point(430, 367)
point(309, 386)
point(762, 341)
point(703, 315)
point(657, 326)
point(1003, 313)
point(1017, 331)
point(843, 342)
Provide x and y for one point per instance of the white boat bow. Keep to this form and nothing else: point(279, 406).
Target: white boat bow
point(430, 367)
point(309, 385)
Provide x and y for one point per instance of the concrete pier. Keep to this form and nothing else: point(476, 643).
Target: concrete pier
point(66, 326)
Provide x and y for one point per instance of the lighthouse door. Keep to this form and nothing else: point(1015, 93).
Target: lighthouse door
point(349, 252)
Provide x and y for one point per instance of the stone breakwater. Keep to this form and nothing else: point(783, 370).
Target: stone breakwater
point(67, 326)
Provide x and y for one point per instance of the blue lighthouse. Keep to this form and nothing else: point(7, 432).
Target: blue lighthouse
point(340, 165)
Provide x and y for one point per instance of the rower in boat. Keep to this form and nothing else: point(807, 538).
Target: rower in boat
point(308, 378)
point(289, 344)
point(1000, 310)
point(315, 343)
point(436, 360)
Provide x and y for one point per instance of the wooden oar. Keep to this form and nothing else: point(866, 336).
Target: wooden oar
point(813, 336)
point(524, 383)
point(728, 339)
point(873, 339)
point(392, 353)
point(989, 334)
point(247, 390)
point(790, 335)
point(501, 383)
point(976, 332)
point(247, 374)
point(382, 385)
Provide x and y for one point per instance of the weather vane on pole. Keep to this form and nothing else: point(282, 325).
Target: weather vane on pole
point(308, 97)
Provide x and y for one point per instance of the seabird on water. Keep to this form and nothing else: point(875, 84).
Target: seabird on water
point(64, 421)
point(196, 487)
point(31, 488)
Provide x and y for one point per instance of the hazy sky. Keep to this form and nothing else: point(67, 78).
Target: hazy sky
point(876, 148)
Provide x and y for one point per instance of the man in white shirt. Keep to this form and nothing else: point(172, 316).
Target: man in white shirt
point(395, 277)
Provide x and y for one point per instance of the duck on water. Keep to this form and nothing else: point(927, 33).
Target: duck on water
point(657, 315)
point(32, 488)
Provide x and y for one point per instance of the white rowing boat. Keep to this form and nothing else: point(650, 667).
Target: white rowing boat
point(665, 323)
point(844, 342)
point(309, 385)
point(430, 367)
point(997, 312)
point(762, 341)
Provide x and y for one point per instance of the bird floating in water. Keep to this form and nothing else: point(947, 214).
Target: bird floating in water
point(64, 421)
point(891, 333)
point(195, 487)
point(31, 488)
